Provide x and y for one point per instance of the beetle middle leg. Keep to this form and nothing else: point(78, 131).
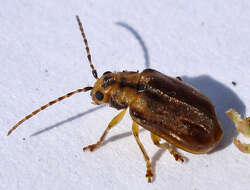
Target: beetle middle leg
point(135, 130)
point(112, 123)
point(156, 140)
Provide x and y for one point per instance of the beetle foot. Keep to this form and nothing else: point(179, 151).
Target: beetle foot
point(177, 156)
point(91, 148)
point(149, 175)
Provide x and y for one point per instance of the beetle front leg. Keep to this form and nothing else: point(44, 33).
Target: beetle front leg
point(112, 123)
point(135, 130)
point(156, 140)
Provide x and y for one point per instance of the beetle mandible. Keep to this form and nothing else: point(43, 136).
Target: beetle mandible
point(167, 107)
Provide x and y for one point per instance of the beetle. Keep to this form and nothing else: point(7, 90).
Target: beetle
point(167, 107)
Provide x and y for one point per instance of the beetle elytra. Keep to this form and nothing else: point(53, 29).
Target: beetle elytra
point(167, 107)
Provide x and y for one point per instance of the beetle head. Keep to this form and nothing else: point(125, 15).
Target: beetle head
point(101, 91)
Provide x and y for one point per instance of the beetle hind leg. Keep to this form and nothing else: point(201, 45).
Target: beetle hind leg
point(156, 140)
point(112, 123)
point(135, 130)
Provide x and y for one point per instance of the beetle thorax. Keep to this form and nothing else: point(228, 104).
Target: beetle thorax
point(116, 89)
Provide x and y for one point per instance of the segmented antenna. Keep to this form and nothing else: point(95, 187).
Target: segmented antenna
point(94, 73)
point(47, 105)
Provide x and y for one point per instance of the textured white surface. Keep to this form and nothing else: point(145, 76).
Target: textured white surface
point(42, 57)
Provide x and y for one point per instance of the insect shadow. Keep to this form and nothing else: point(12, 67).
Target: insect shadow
point(66, 121)
point(140, 40)
point(223, 98)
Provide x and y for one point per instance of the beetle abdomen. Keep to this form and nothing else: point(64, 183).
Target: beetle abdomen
point(168, 108)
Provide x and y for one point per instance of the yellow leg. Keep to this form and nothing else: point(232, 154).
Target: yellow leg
point(112, 123)
point(135, 130)
point(156, 140)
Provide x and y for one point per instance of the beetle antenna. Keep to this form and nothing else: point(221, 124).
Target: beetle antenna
point(94, 73)
point(47, 105)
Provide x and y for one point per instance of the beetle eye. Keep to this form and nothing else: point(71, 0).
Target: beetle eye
point(107, 72)
point(99, 96)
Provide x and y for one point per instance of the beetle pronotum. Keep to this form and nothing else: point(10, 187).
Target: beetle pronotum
point(165, 106)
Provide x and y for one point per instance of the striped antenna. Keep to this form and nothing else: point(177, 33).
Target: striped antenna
point(47, 105)
point(94, 73)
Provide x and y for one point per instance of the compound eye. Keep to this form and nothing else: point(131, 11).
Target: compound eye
point(99, 96)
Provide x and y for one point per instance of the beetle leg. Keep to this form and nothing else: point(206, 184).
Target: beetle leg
point(112, 123)
point(135, 130)
point(156, 140)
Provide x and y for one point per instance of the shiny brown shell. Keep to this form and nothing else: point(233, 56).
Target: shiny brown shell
point(176, 112)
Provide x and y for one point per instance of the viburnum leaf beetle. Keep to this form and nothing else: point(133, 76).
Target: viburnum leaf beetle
point(165, 106)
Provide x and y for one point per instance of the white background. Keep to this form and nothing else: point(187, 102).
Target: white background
point(42, 57)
